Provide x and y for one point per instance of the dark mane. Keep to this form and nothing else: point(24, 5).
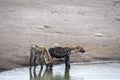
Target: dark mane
point(57, 52)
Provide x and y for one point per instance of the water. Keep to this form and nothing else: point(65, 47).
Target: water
point(78, 71)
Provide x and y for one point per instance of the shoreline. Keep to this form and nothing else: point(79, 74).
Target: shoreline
point(74, 63)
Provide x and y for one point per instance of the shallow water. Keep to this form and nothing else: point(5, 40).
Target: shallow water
point(78, 71)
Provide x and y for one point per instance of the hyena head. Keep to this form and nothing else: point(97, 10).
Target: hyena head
point(79, 49)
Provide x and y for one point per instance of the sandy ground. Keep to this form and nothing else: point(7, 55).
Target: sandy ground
point(92, 24)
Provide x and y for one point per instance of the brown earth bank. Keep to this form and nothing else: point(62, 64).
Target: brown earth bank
point(92, 24)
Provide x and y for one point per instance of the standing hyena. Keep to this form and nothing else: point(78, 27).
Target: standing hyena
point(40, 53)
point(64, 52)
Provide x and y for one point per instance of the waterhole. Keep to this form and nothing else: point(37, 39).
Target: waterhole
point(78, 71)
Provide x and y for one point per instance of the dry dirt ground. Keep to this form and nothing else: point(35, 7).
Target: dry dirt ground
point(92, 24)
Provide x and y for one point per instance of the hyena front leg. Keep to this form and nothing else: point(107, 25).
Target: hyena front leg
point(45, 61)
point(34, 60)
point(30, 60)
point(41, 61)
point(31, 57)
point(67, 63)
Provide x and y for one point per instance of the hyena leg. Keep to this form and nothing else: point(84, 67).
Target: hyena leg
point(40, 56)
point(45, 61)
point(67, 63)
point(30, 60)
point(41, 62)
point(31, 57)
point(34, 60)
point(51, 64)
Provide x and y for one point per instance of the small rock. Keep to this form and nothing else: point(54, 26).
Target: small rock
point(98, 34)
point(40, 27)
point(117, 19)
point(117, 2)
point(11, 10)
point(45, 26)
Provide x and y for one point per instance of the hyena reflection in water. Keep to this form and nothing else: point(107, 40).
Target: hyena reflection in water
point(47, 74)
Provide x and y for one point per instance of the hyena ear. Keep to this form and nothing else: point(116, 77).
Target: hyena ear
point(32, 45)
point(36, 45)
